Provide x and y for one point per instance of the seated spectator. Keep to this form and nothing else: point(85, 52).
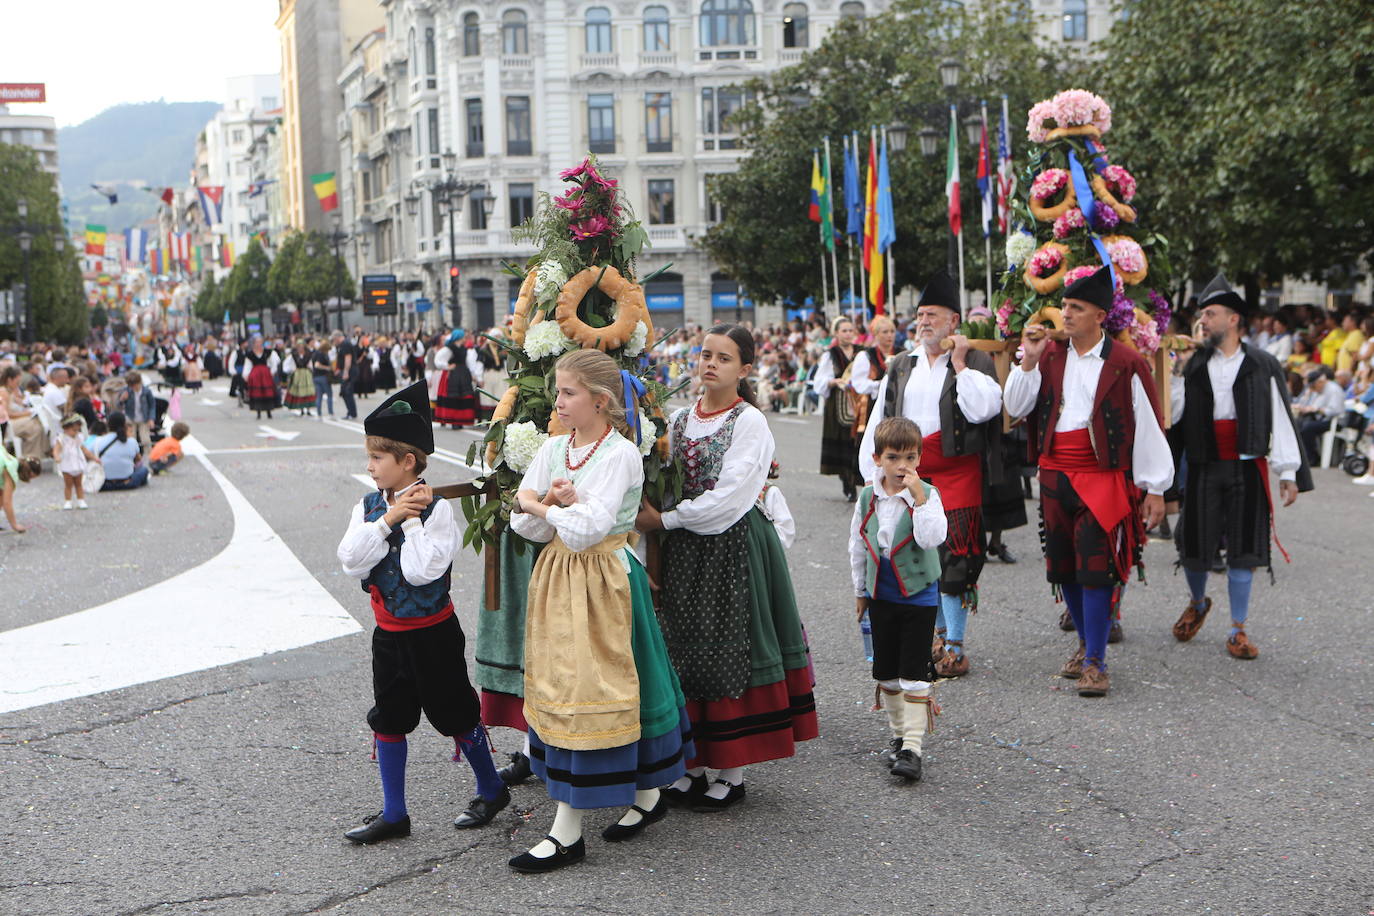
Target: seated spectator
point(55, 392)
point(123, 460)
point(167, 451)
point(9, 480)
point(24, 424)
point(1315, 408)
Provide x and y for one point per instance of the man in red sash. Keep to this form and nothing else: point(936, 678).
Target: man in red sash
point(1232, 403)
point(954, 397)
point(1093, 427)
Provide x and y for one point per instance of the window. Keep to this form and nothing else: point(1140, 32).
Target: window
point(270, 103)
point(477, 217)
point(657, 36)
point(518, 126)
point(521, 203)
point(433, 114)
point(236, 137)
point(661, 202)
point(416, 137)
point(367, 186)
point(717, 105)
point(598, 30)
point(601, 122)
point(411, 53)
point(658, 121)
point(715, 210)
point(727, 22)
point(794, 26)
point(1075, 20)
point(515, 33)
point(472, 35)
point(851, 9)
point(476, 146)
point(429, 52)
point(436, 223)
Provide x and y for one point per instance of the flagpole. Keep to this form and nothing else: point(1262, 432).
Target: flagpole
point(987, 223)
point(891, 300)
point(863, 232)
point(830, 242)
point(848, 239)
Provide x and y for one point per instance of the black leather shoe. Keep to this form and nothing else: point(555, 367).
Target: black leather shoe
point(618, 832)
point(1066, 621)
point(707, 803)
point(517, 771)
point(907, 765)
point(1003, 553)
point(893, 747)
point(1114, 635)
point(562, 857)
point(480, 811)
point(686, 796)
point(374, 829)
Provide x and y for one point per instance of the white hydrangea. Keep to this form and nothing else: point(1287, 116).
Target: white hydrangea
point(522, 443)
point(546, 339)
point(548, 281)
point(648, 437)
point(1019, 247)
point(638, 340)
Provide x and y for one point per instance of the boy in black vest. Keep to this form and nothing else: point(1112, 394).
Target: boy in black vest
point(898, 522)
point(400, 542)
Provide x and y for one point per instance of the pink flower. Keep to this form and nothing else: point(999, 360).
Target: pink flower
point(1078, 273)
point(577, 171)
point(1048, 183)
point(571, 200)
point(1077, 107)
point(1122, 181)
point(1036, 126)
point(1071, 219)
point(1004, 313)
point(1126, 254)
point(1045, 262)
point(1145, 336)
point(590, 228)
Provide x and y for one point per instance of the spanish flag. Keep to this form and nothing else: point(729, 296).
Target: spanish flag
point(95, 239)
point(327, 190)
point(872, 256)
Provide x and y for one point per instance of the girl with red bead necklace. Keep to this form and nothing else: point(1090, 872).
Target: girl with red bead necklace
point(726, 603)
point(607, 720)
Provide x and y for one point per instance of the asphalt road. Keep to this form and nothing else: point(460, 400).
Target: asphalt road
point(1200, 785)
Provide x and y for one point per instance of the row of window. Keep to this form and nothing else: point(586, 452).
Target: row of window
point(520, 199)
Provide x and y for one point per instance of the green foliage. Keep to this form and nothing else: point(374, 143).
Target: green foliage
point(283, 265)
point(59, 303)
point(873, 71)
point(983, 329)
point(247, 289)
point(209, 306)
point(316, 275)
point(1252, 123)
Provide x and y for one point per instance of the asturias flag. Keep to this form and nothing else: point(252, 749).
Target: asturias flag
point(327, 190)
point(984, 180)
point(956, 219)
point(95, 239)
point(813, 211)
point(853, 200)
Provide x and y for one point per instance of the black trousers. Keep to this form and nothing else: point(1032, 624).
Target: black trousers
point(1224, 502)
point(422, 670)
point(902, 634)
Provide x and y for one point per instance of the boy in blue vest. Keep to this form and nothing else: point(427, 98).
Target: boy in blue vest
point(400, 542)
point(898, 524)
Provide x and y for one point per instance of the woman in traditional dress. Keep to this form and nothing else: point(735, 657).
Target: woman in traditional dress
point(728, 610)
point(384, 373)
point(830, 382)
point(870, 366)
point(456, 402)
point(607, 726)
point(192, 370)
point(259, 370)
point(300, 385)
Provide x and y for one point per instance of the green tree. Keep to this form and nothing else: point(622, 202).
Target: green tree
point(55, 290)
point(283, 266)
point(208, 306)
point(873, 71)
point(247, 289)
point(1251, 123)
point(316, 275)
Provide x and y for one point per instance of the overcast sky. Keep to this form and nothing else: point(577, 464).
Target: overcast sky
point(94, 54)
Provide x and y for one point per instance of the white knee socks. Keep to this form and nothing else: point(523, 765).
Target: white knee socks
point(566, 829)
point(918, 715)
point(733, 776)
point(645, 800)
point(891, 692)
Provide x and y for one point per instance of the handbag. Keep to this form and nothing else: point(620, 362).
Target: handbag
point(93, 478)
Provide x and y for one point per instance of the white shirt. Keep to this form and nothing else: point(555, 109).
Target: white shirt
point(978, 395)
point(825, 371)
point(443, 360)
point(273, 362)
point(55, 398)
point(428, 548)
point(774, 507)
point(743, 471)
point(928, 525)
point(1280, 347)
point(859, 380)
point(619, 468)
point(1152, 464)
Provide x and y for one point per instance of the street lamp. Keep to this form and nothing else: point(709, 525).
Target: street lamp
point(449, 193)
point(949, 73)
point(973, 128)
point(337, 237)
point(929, 139)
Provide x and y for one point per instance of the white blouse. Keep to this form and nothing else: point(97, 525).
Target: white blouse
point(601, 489)
point(774, 506)
point(929, 527)
point(427, 550)
point(743, 471)
point(825, 371)
point(859, 380)
point(443, 360)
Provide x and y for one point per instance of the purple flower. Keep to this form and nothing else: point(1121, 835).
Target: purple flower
point(1122, 314)
point(1163, 310)
point(1105, 218)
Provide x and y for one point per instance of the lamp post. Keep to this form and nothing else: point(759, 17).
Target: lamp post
point(449, 193)
point(337, 237)
point(25, 232)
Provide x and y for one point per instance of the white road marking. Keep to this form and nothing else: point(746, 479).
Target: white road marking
point(259, 449)
point(253, 598)
point(268, 432)
point(442, 454)
point(791, 420)
point(208, 402)
point(364, 480)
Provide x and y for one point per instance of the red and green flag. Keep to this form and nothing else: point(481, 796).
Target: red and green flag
point(327, 190)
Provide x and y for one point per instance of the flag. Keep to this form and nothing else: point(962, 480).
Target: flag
point(183, 250)
point(226, 247)
point(873, 260)
point(817, 187)
point(167, 196)
point(260, 237)
point(984, 179)
point(853, 202)
point(155, 261)
point(887, 216)
point(197, 262)
point(211, 196)
point(1006, 175)
point(255, 188)
point(827, 205)
point(956, 223)
point(95, 239)
point(107, 190)
point(136, 246)
point(327, 190)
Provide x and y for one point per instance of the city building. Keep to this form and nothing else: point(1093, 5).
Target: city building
point(228, 139)
point(37, 132)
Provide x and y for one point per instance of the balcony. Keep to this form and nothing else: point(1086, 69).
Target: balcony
point(667, 236)
point(791, 55)
point(517, 62)
point(658, 59)
point(600, 61)
point(728, 53)
point(376, 145)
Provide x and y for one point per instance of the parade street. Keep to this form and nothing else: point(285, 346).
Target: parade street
point(184, 674)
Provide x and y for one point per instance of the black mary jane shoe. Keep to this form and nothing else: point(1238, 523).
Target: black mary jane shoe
point(563, 857)
point(707, 803)
point(517, 771)
point(688, 796)
point(907, 766)
point(374, 829)
point(618, 832)
point(480, 811)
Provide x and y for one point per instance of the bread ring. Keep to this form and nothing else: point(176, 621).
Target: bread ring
point(1081, 130)
point(1047, 285)
point(1049, 214)
point(1050, 316)
point(1136, 276)
point(630, 308)
point(1103, 193)
point(503, 410)
point(523, 302)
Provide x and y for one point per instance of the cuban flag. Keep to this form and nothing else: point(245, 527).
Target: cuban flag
point(211, 203)
point(136, 246)
point(1006, 175)
point(984, 179)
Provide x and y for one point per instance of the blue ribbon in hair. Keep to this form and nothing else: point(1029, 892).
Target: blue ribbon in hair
point(633, 389)
point(1088, 205)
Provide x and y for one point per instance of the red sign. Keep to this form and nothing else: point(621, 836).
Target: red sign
point(23, 92)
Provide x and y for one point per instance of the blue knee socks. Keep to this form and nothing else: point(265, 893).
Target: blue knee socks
point(1097, 621)
point(955, 620)
point(1073, 597)
point(391, 760)
point(1197, 584)
point(1238, 583)
point(474, 745)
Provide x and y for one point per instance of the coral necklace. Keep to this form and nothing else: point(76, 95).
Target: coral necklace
point(587, 457)
point(704, 415)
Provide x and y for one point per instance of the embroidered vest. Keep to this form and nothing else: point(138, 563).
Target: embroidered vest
point(702, 458)
point(916, 567)
point(400, 597)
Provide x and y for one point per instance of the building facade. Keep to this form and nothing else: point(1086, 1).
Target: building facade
point(230, 138)
point(37, 132)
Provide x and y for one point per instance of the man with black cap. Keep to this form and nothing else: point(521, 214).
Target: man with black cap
point(400, 542)
point(1093, 427)
point(953, 396)
point(1232, 404)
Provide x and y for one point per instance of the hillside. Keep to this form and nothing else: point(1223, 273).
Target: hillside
point(151, 141)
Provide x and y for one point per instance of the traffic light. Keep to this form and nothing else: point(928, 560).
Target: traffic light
point(453, 272)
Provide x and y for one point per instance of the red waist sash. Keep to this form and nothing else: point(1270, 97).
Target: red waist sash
point(959, 478)
point(1225, 432)
point(1104, 492)
point(389, 621)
